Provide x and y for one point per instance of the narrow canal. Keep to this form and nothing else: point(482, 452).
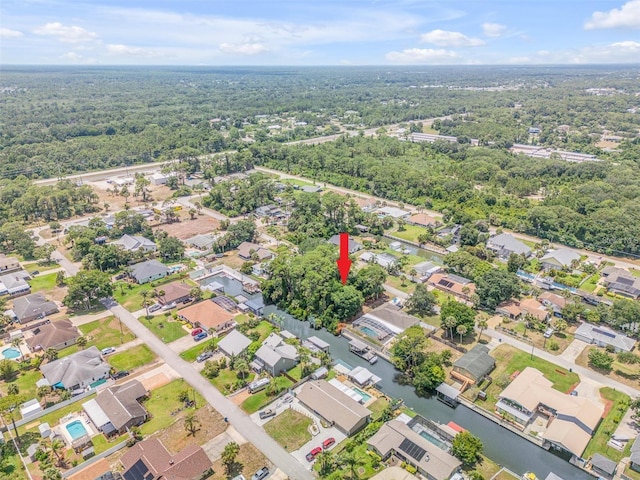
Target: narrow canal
point(501, 445)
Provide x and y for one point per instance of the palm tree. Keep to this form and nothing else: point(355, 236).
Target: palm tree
point(196, 294)
point(461, 330)
point(191, 423)
point(560, 325)
point(229, 455)
point(81, 341)
point(51, 354)
point(241, 368)
point(16, 344)
point(482, 323)
point(43, 391)
point(350, 461)
point(57, 447)
point(325, 461)
point(413, 272)
point(146, 300)
point(450, 323)
point(12, 389)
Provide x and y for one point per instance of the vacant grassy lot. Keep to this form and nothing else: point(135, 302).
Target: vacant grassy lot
point(165, 328)
point(102, 333)
point(132, 358)
point(162, 402)
point(410, 233)
point(510, 360)
point(26, 382)
point(621, 372)
point(290, 429)
point(619, 404)
point(45, 281)
point(396, 282)
point(128, 294)
point(561, 339)
point(378, 407)
point(590, 283)
point(258, 400)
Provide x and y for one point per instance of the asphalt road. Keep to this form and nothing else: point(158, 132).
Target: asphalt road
point(241, 422)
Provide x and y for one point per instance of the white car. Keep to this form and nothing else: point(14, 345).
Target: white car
point(155, 307)
point(108, 350)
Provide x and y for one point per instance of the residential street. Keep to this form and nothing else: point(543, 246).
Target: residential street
point(242, 423)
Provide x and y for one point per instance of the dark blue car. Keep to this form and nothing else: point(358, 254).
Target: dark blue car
point(199, 336)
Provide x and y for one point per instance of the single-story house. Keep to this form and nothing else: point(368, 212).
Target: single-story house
point(392, 212)
point(533, 307)
point(275, 356)
point(559, 259)
point(246, 250)
point(571, 420)
point(269, 211)
point(208, 315)
point(423, 220)
point(553, 301)
point(78, 370)
point(145, 272)
point(509, 309)
point(385, 260)
point(311, 188)
point(159, 178)
point(14, 283)
point(426, 269)
point(603, 337)
point(385, 322)
point(256, 305)
point(234, 343)
point(635, 455)
point(474, 364)
point(8, 264)
point(334, 406)
point(454, 284)
point(204, 242)
point(32, 307)
point(621, 282)
point(603, 466)
point(133, 243)
point(505, 244)
point(117, 408)
point(397, 438)
point(316, 343)
point(353, 245)
point(150, 460)
point(174, 292)
point(56, 335)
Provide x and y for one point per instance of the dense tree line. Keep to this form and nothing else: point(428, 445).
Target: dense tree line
point(308, 286)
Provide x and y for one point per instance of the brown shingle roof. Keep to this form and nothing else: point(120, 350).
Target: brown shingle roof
point(174, 291)
point(206, 313)
point(53, 334)
point(422, 219)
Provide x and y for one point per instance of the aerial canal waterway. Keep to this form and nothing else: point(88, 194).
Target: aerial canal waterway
point(501, 445)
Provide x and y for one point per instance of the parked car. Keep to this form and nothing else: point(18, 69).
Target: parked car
point(288, 398)
point(269, 412)
point(197, 331)
point(155, 307)
point(108, 350)
point(312, 454)
point(204, 356)
point(260, 474)
point(35, 272)
point(169, 306)
point(120, 374)
point(200, 336)
point(328, 442)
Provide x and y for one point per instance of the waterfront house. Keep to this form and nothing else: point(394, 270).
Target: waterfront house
point(145, 272)
point(505, 244)
point(473, 365)
point(209, 316)
point(275, 356)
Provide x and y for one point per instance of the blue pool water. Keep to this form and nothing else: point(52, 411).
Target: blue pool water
point(76, 429)
point(10, 353)
point(365, 396)
point(369, 331)
point(434, 440)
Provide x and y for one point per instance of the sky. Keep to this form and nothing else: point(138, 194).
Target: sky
point(312, 32)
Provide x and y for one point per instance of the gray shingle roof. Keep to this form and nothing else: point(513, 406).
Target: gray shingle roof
point(120, 403)
point(234, 343)
point(604, 464)
point(476, 361)
point(635, 451)
point(134, 242)
point(33, 305)
point(564, 256)
point(508, 243)
point(82, 367)
point(150, 268)
point(606, 336)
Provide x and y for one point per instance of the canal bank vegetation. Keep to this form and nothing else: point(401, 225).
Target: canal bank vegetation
point(617, 404)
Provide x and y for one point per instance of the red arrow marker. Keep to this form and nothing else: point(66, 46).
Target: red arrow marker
point(344, 264)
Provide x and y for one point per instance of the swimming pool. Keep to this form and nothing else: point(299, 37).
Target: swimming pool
point(365, 396)
point(436, 441)
point(76, 429)
point(10, 353)
point(369, 331)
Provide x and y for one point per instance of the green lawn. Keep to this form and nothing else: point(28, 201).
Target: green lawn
point(132, 358)
point(590, 283)
point(26, 382)
point(101, 334)
point(32, 267)
point(165, 328)
point(290, 429)
point(608, 425)
point(45, 281)
point(258, 400)
point(635, 272)
point(128, 294)
point(396, 282)
point(264, 328)
point(191, 354)
point(410, 233)
point(242, 318)
point(296, 181)
point(364, 464)
point(100, 443)
point(296, 372)
point(164, 400)
point(226, 380)
point(378, 407)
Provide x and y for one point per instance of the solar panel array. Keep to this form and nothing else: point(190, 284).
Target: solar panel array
point(138, 471)
point(446, 283)
point(413, 450)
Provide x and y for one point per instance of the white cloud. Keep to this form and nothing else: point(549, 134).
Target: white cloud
point(627, 16)
point(243, 48)
point(128, 50)
point(443, 38)
point(493, 29)
point(619, 52)
point(422, 55)
point(73, 57)
point(8, 33)
point(71, 34)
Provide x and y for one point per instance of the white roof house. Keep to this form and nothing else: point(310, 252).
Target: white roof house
point(561, 258)
point(383, 259)
point(392, 212)
point(603, 336)
point(133, 243)
point(362, 376)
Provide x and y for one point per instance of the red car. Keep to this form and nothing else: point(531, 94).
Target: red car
point(312, 454)
point(328, 442)
point(196, 331)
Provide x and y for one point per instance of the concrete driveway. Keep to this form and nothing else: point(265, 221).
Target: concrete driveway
point(184, 343)
point(574, 349)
